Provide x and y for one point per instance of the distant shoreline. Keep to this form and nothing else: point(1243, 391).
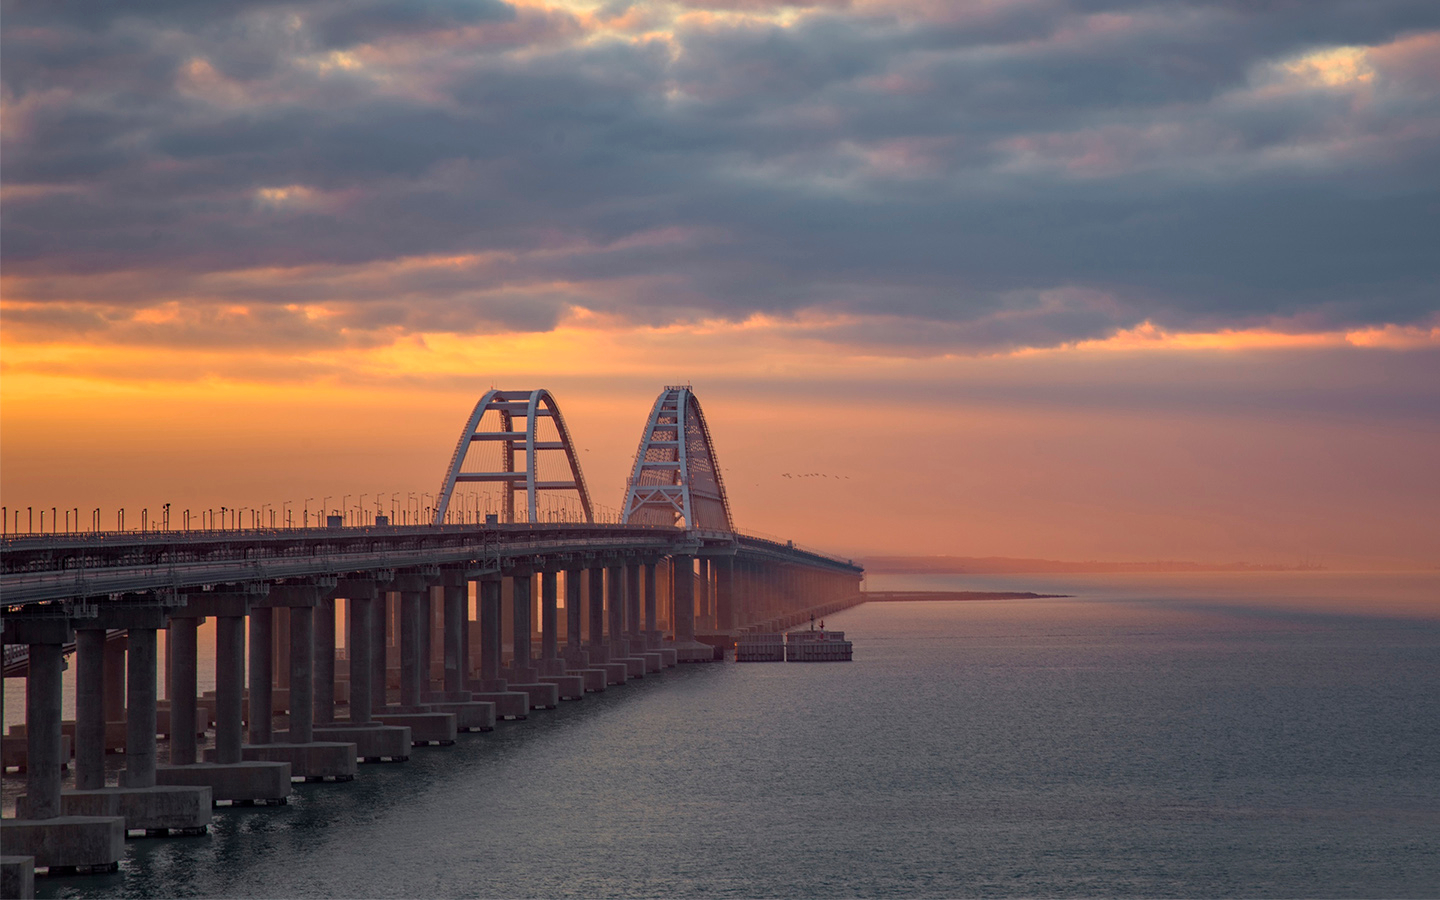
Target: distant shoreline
point(900, 596)
point(1001, 565)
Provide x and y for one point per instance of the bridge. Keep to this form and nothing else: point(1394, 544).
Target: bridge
point(510, 598)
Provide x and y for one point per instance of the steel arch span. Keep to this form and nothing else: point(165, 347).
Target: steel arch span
point(676, 478)
point(489, 433)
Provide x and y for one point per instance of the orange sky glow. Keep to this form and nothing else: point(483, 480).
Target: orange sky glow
point(840, 448)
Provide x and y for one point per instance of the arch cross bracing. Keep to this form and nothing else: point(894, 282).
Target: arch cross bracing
point(676, 478)
point(502, 425)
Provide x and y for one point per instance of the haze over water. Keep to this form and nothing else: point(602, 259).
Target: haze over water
point(1215, 735)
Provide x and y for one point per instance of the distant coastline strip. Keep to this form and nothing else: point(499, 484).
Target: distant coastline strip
point(897, 596)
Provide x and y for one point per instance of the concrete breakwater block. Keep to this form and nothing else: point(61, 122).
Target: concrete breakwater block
point(67, 843)
point(653, 661)
point(242, 782)
point(17, 877)
point(114, 734)
point(569, 687)
point(615, 672)
point(445, 697)
point(425, 727)
point(694, 652)
point(470, 715)
point(542, 694)
point(163, 808)
point(15, 751)
point(634, 666)
point(373, 742)
point(508, 704)
point(595, 679)
point(313, 761)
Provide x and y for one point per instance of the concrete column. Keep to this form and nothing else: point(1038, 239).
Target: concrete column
point(702, 591)
point(182, 648)
point(632, 600)
point(426, 626)
point(457, 597)
point(549, 614)
point(651, 625)
point(684, 568)
point(261, 650)
point(725, 594)
point(597, 614)
point(140, 700)
point(615, 587)
point(302, 674)
point(379, 651)
point(466, 659)
point(280, 649)
point(358, 646)
point(90, 708)
point(521, 602)
point(324, 679)
point(42, 730)
point(115, 680)
point(229, 676)
point(572, 608)
point(490, 629)
point(411, 645)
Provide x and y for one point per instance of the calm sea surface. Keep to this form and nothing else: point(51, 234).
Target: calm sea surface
point(1217, 735)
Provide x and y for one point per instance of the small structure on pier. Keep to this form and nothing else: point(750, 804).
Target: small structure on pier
point(797, 646)
point(760, 648)
point(817, 646)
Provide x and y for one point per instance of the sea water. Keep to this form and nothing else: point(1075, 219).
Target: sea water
point(1259, 735)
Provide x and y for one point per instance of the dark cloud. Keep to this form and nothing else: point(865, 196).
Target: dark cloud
point(1025, 174)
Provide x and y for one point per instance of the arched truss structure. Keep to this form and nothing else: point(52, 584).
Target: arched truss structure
point(515, 430)
point(676, 479)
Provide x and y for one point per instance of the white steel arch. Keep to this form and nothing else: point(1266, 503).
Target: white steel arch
point(676, 477)
point(530, 406)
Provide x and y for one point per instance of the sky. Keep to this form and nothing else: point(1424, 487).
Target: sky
point(1061, 278)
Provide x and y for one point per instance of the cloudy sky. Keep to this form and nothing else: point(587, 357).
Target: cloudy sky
point(1068, 278)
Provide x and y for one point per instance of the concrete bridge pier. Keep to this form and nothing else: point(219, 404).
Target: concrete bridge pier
point(550, 662)
point(324, 680)
point(457, 598)
point(618, 645)
point(308, 758)
point(90, 708)
point(703, 619)
point(426, 725)
point(635, 642)
point(182, 651)
point(577, 656)
point(524, 675)
point(522, 581)
point(260, 722)
point(493, 687)
point(599, 646)
point(725, 594)
point(380, 652)
point(687, 649)
point(552, 667)
point(373, 741)
point(59, 842)
point(489, 611)
point(471, 714)
point(137, 799)
point(226, 773)
point(115, 693)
